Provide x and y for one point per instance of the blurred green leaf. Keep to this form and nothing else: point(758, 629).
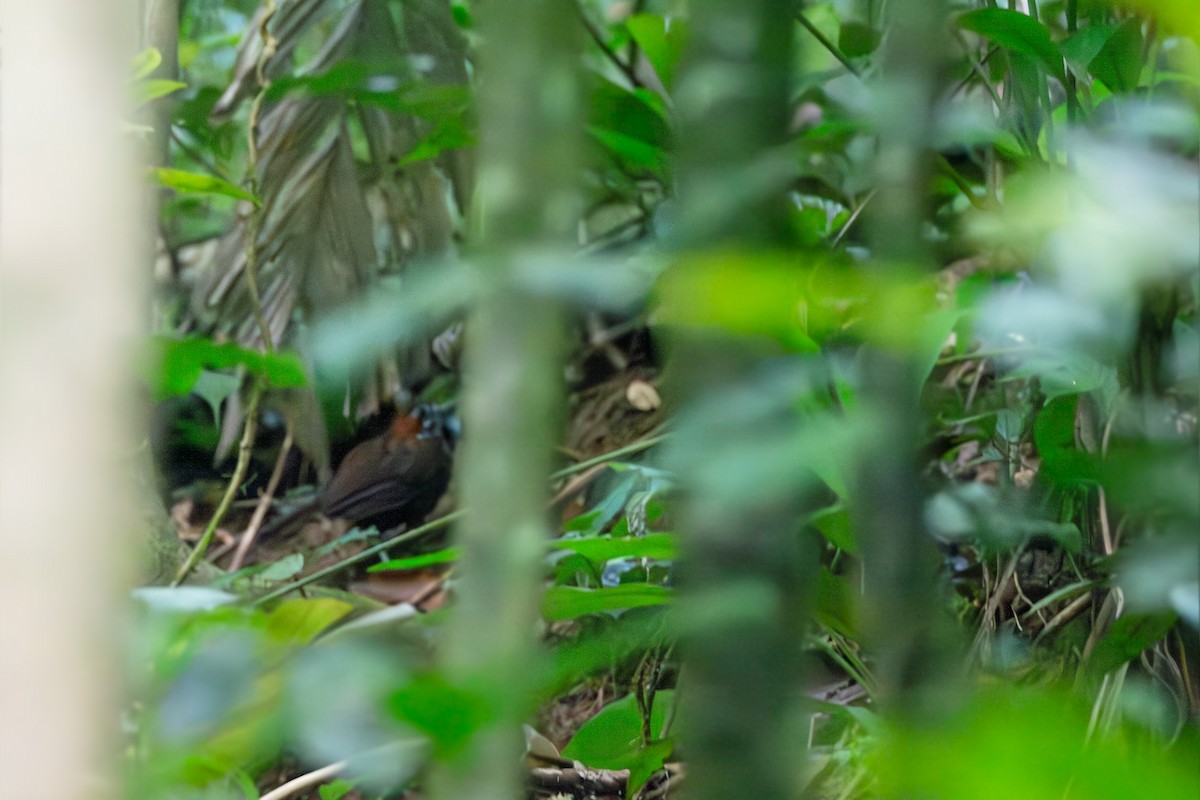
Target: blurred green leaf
point(195, 183)
point(298, 621)
point(1016, 744)
point(1082, 47)
point(146, 62)
point(662, 40)
point(1126, 639)
point(857, 39)
point(1018, 32)
point(612, 739)
point(335, 790)
point(661, 546)
point(834, 524)
point(449, 714)
point(836, 601)
point(148, 91)
point(416, 562)
point(1119, 62)
point(568, 602)
point(175, 365)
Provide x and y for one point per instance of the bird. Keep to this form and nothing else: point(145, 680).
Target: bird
point(393, 479)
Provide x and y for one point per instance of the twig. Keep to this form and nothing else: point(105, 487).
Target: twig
point(833, 49)
point(264, 503)
point(306, 781)
point(636, 447)
point(371, 551)
point(626, 69)
point(255, 220)
point(257, 387)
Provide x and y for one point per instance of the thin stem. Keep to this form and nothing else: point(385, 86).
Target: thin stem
point(833, 49)
point(257, 387)
point(407, 536)
point(597, 37)
point(254, 222)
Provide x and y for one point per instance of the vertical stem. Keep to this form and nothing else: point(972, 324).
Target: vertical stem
point(743, 575)
point(902, 615)
point(530, 131)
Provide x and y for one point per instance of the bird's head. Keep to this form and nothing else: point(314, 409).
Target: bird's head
point(438, 421)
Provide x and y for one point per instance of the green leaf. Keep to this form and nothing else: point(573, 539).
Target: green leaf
point(568, 602)
point(449, 714)
point(1081, 48)
point(856, 39)
point(1126, 639)
point(662, 40)
point(1119, 63)
point(146, 62)
point(660, 546)
point(175, 365)
point(416, 562)
point(195, 183)
point(1054, 435)
point(298, 621)
point(147, 91)
point(836, 599)
point(613, 738)
point(634, 152)
point(335, 790)
point(284, 568)
point(834, 525)
point(1017, 32)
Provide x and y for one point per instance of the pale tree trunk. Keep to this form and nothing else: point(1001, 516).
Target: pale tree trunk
point(68, 317)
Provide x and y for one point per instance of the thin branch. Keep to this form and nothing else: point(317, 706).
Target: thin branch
point(833, 49)
point(257, 387)
point(264, 503)
point(597, 36)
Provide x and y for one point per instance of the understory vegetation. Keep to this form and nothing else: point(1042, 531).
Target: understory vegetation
point(821, 380)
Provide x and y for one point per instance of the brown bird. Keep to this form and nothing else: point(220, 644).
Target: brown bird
point(396, 478)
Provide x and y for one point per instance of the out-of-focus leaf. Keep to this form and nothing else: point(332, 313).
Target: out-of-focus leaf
point(182, 598)
point(568, 602)
point(148, 91)
point(1054, 435)
point(834, 525)
point(195, 183)
point(416, 562)
point(1119, 62)
point(632, 151)
point(1148, 570)
point(175, 365)
point(662, 39)
point(449, 714)
point(284, 568)
point(1126, 639)
point(856, 39)
point(298, 621)
point(146, 62)
point(1018, 32)
point(1014, 726)
point(1082, 47)
point(354, 335)
point(661, 546)
point(836, 600)
point(214, 388)
point(613, 738)
point(335, 790)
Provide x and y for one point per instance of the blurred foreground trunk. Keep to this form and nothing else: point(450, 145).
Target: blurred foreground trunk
point(68, 315)
point(744, 575)
point(905, 627)
point(513, 396)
